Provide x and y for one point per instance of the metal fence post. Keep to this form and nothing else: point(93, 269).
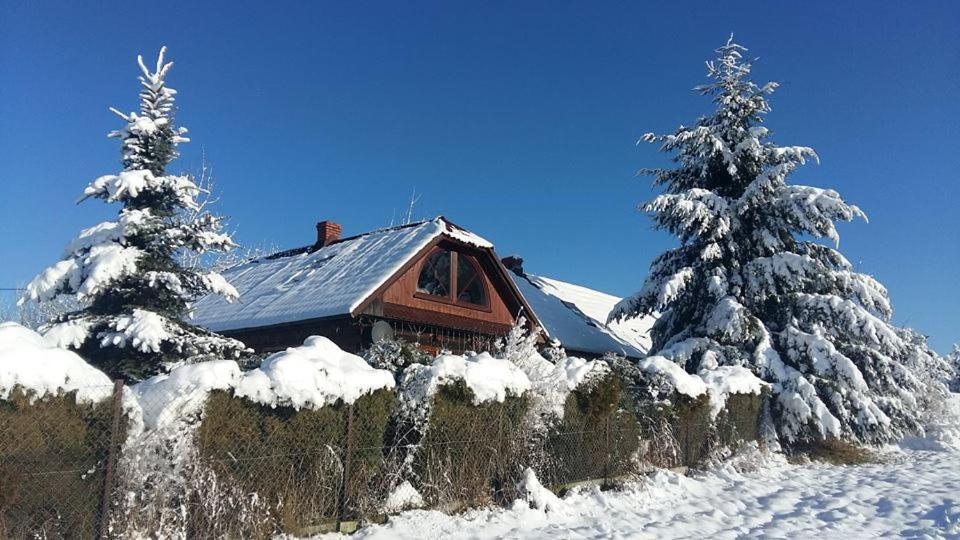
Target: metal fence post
point(109, 476)
point(347, 462)
point(609, 452)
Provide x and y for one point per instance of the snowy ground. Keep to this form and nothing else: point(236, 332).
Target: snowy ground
point(913, 494)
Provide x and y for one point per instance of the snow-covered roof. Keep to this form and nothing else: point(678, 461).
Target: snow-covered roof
point(576, 316)
point(305, 284)
point(597, 305)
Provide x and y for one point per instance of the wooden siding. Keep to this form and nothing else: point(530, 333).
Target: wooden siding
point(343, 331)
point(401, 301)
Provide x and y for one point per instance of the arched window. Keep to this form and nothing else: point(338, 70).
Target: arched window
point(454, 277)
point(469, 283)
point(435, 275)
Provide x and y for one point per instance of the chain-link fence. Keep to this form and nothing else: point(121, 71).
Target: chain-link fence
point(55, 454)
point(209, 464)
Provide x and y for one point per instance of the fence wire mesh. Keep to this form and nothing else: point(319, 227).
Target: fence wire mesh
point(209, 464)
point(53, 462)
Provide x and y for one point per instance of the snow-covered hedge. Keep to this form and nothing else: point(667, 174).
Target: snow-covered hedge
point(578, 426)
point(683, 415)
point(55, 415)
point(31, 363)
point(461, 420)
point(261, 451)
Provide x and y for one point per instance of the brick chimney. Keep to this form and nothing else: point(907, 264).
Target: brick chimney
point(328, 232)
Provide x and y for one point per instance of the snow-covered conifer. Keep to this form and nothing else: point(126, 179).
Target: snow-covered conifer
point(953, 358)
point(749, 287)
point(128, 272)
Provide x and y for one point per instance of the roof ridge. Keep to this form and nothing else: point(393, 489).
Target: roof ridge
point(311, 248)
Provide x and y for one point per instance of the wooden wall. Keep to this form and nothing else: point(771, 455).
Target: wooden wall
point(343, 331)
point(401, 301)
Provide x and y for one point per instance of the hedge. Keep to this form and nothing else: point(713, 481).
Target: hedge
point(53, 454)
point(739, 421)
point(678, 430)
point(292, 460)
point(598, 437)
point(470, 454)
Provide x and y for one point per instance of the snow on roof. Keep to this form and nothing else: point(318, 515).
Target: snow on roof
point(333, 280)
point(575, 316)
point(598, 305)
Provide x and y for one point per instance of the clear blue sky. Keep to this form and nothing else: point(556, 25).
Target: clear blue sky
point(515, 119)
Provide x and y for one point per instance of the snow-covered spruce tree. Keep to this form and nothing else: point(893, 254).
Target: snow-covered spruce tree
point(953, 359)
point(748, 286)
point(128, 272)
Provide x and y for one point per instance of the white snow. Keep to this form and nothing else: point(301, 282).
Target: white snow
point(463, 235)
point(109, 231)
point(403, 497)
point(598, 305)
point(681, 381)
point(333, 280)
point(130, 184)
point(29, 361)
point(552, 383)
point(912, 495)
point(566, 322)
point(537, 496)
point(87, 274)
point(217, 284)
point(489, 378)
point(47, 284)
point(314, 375)
point(143, 330)
point(67, 334)
point(117, 186)
point(724, 381)
point(103, 264)
point(171, 398)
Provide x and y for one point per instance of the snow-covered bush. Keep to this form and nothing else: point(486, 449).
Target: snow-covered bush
point(55, 415)
point(747, 287)
point(127, 274)
point(577, 425)
point(519, 344)
point(402, 497)
point(684, 417)
point(673, 410)
point(248, 454)
point(459, 430)
point(37, 367)
point(394, 355)
point(159, 468)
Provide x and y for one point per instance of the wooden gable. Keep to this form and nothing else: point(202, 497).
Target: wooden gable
point(399, 298)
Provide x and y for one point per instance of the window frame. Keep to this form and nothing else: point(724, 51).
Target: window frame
point(451, 298)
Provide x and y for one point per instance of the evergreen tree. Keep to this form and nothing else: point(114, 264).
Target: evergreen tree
point(128, 273)
point(953, 359)
point(749, 284)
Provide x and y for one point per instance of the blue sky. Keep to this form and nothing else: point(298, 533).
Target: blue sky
point(516, 120)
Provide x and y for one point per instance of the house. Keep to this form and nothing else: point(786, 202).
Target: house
point(576, 316)
point(430, 282)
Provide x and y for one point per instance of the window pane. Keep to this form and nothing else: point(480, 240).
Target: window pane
point(469, 283)
point(435, 276)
